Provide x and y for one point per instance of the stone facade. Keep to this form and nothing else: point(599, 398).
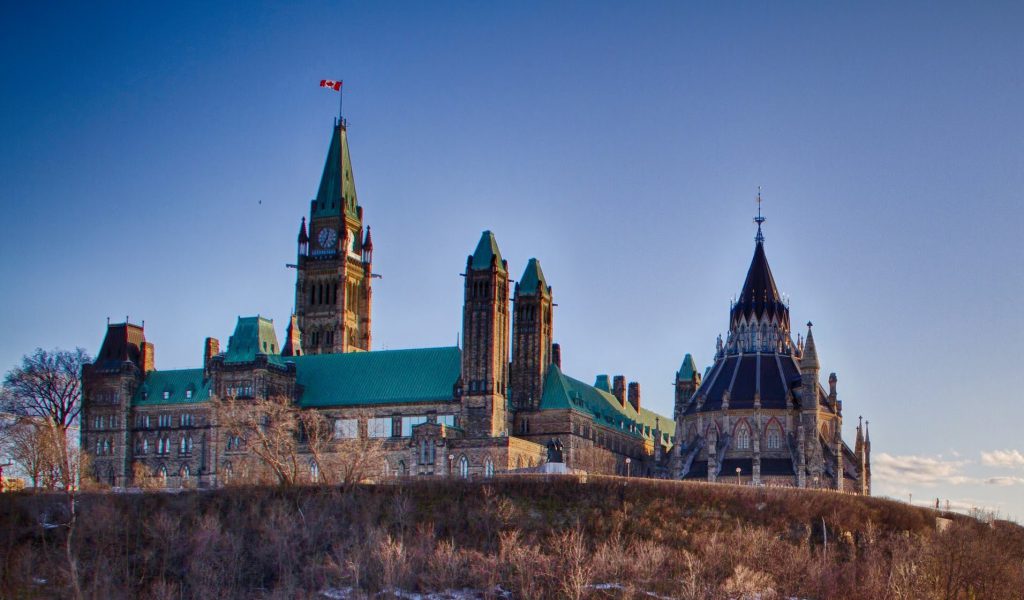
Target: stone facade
point(489, 407)
point(759, 414)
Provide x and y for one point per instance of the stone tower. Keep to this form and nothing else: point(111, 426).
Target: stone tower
point(485, 329)
point(809, 416)
point(687, 382)
point(531, 338)
point(108, 385)
point(333, 286)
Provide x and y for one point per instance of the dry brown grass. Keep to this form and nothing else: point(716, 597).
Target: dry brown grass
point(534, 537)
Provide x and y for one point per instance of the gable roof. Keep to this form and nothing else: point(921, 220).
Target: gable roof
point(379, 377)
point(176, 384)
point(564, 392)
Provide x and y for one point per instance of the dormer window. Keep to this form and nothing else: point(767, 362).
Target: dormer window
point(188, 394)
point(167, 395)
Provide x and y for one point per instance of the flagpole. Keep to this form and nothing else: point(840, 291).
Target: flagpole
point(341, 99)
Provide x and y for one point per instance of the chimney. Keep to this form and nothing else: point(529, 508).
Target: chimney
point(832, 379)
point(211, 348)
point(148, 357)
point(634, 395)
point(556, 355)
point(619, 389)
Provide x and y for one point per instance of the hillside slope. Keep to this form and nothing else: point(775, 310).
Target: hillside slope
point(510, 537)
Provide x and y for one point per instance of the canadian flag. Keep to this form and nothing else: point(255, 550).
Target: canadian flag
point(334, 85)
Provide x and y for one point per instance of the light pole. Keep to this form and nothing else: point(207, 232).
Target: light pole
point(628, 460)
point(737, 476)
point(451, 458)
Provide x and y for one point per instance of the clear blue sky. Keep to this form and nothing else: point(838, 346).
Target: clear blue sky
point(156, 163)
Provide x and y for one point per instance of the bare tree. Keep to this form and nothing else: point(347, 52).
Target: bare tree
point(47, 384)
point(288, 445)
point(27, 446)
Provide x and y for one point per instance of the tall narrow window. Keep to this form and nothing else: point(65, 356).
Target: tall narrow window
point(463, 467)
point(743, 437)
point(489, 468)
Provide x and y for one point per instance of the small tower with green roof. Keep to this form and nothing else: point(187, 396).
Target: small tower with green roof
point(485, 333)
point(687, 382)
point(531, 337)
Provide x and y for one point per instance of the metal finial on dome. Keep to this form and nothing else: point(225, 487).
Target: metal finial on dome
point(759, 219)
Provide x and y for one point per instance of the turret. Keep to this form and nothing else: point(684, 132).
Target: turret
point(303, 239)
point(368, 248)
point(687, 382)
point(293, 339)
point(809, 417)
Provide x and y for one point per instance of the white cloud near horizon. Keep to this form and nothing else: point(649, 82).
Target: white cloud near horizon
point(1003, 458)
point(923, 470)
point(936, 470)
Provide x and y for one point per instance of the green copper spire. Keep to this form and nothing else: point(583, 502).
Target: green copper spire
point(485, 251)
point(688, 369)
point(533, 279)
point(337, 193)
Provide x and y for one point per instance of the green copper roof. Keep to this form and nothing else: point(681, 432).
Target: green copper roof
point(533, 279)
point(253, 335)
point(380, 377)
point(688, 369)
point(337, 184)
point(603, 384)
point(485, 250)
point(180, 386)
point(564, 392)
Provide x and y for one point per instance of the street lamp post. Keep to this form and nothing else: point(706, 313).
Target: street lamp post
point(628, 461)
point(451, 458)
point(737, 476)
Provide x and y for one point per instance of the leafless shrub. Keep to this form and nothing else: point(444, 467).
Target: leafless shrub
point(748, 584)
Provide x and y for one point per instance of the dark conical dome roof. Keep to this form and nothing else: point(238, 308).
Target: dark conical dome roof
point(759, 296)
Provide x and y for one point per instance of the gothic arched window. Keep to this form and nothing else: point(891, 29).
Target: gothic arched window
point(743, 437)
point(463, 467)
point(314, 471)
point(489, 468)
point(774, 436)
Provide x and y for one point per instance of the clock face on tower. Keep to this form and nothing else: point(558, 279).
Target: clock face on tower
point(327, 238)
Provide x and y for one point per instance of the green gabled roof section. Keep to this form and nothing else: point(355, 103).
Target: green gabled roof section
point(337, 192)
point(253, 335)
point(562, 392)
point(533, 279)
point(486, 250)
point(688, 369)
point(379, 377)
point(180, 386)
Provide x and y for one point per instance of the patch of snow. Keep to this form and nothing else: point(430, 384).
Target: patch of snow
point(620, 587)
point(346, 593)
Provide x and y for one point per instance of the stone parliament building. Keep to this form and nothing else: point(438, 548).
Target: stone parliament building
point(758, 415)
